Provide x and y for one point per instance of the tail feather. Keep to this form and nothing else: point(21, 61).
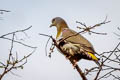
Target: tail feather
point(96, 60)
point(93, 56)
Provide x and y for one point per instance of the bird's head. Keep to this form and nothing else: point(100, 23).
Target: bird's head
point(59, 23)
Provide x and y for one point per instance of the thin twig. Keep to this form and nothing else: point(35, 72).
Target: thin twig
point(112, 52)
point(100, 69)
point(4, 37)
point(46, 46)
point(106, 74)
point(89, 28)
point(19, 43)
point(4, 10)
point(16, 31)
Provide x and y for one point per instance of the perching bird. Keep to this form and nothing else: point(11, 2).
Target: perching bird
point(75, 45)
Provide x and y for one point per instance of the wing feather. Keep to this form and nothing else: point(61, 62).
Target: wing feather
point(79, 40)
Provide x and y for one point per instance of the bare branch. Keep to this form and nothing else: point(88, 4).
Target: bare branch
point(46, 46)
point(4, 37)
point(16, 32)
point(19, 43)
point(89, 28)
point(13, 62)
point(90, 70)
point(105, 75)
point(98, 33)
point(112, 52)
point(100, 69)
point(2, 11)
point(76, 67)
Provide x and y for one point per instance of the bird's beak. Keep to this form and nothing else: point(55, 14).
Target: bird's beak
point(52, 25)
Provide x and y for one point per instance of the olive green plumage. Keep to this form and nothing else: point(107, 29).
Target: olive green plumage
point(77, 47)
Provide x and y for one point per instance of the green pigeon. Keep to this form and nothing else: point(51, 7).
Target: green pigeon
point(75, 45)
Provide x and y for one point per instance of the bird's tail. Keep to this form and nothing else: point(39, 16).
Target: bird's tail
point(94, 58)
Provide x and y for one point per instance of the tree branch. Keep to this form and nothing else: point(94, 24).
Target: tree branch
point(4, 37)
point(76, 67)
point(13, 62)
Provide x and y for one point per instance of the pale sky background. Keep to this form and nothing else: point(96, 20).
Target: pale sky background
point(39, 13)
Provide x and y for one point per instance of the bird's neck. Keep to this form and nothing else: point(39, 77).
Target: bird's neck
point(59, 30)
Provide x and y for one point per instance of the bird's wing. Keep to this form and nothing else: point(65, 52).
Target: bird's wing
point(77, 39)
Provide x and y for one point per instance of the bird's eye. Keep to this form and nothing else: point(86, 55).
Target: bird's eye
point(53, 20)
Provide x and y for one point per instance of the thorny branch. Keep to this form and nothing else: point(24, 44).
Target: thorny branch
point(13, 62)
point(106, 58)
